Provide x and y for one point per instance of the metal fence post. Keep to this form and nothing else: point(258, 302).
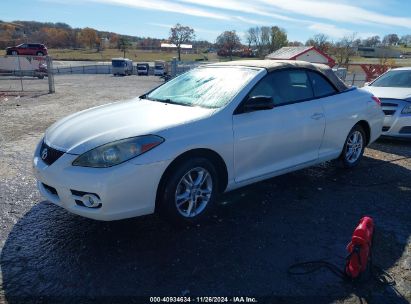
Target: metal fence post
point(21, 74)
point(50, 74)
point(174, 67)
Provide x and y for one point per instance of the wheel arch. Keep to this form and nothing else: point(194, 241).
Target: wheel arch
point(211, 155)
point(367, 129)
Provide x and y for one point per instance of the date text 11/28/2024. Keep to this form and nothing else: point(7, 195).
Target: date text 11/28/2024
point(185, 299)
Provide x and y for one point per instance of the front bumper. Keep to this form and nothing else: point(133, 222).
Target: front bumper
point(127, 190)
point(395, 123)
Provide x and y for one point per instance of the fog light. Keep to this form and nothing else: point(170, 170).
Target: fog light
point(90, 201)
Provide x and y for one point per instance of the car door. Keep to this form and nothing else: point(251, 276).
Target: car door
point(32, 49)
point(286, 136)
point(23, 49)
point(338, 110)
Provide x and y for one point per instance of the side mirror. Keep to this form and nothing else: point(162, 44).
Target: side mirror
point(257, 103)
point(367, 84)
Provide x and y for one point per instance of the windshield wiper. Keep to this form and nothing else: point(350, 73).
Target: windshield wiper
point(168, 100)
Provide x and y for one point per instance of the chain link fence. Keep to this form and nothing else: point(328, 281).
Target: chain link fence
point(351, 78)
point(26, 74)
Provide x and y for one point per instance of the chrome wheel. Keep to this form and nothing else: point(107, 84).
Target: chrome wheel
point(354, 147)
point(193, 192)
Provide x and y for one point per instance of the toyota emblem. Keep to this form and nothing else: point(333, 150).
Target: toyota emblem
point(44, 154)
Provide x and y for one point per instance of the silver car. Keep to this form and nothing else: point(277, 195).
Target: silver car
point(393, 88)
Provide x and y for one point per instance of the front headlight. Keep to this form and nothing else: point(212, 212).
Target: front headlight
point(406, 110)
point(117, 152)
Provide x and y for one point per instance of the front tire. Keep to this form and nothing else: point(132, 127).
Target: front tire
point(40, 54)
point(14, 53)
point(189, 191)
point(354, 147)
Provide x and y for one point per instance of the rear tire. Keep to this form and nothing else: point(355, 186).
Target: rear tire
point(354, 147)
point(40, 54)
point(189, 192)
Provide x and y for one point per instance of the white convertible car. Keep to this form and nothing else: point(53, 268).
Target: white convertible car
point(213, 129)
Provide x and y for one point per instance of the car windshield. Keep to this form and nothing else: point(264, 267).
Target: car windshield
point(395, 78)
point(118, 63)
point(204, 87)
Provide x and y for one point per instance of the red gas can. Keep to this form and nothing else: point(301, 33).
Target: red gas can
point(360, 248)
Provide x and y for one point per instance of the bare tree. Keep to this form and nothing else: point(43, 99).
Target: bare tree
point(295, 43)
point(390, 39)
point(406, 40)
point(249, 36)
point(320, 41)
point(254, 36)
point(228, 41)
point(344, 50)
point(265, 38)
point(371, 41)
point(179, 35)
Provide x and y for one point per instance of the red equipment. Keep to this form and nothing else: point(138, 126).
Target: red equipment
point(360, 248)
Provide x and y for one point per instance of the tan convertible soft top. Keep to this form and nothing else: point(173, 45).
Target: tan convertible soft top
point(271, 65)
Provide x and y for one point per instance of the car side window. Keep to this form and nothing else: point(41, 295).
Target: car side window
point(321, 86)
point(285, 87)
point(264, 87)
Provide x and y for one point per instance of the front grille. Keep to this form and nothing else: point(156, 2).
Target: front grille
point(49, 155)
point(405, 130)
point(385, 129)
point(389, 112)
point(389, 104)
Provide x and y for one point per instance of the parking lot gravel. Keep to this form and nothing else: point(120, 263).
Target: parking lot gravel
point(243, 249)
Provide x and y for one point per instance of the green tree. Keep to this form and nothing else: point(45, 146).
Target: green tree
point(123, 44)
point(278, 38)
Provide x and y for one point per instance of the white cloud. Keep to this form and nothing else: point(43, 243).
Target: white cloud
point(335, 32)
point(315, 15)
point(337, 12)
point(242, 6)
point(167, 6)
point(196, 29)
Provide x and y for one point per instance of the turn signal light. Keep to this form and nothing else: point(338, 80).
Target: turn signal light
point(377, 100)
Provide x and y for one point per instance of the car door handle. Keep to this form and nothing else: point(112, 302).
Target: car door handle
point(317, 116)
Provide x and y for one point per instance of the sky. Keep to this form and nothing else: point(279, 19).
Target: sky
point(153, 18)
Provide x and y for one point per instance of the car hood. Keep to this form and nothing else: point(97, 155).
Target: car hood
point(82, 131)
point(389, 92)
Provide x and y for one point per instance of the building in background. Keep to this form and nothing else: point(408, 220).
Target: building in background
point(378, 52)
point(304, 53)
point(185, 48)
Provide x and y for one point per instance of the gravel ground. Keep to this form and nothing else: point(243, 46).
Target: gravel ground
point(244, 249)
